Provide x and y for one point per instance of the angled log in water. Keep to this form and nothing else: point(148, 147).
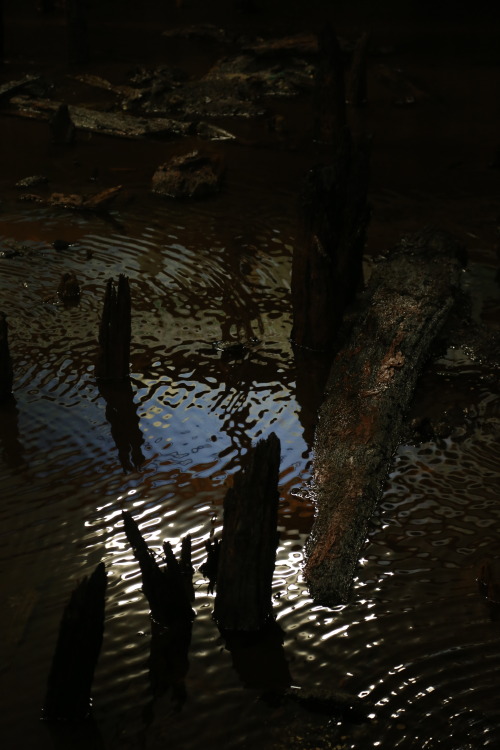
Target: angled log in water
point(6, 372)
point(249, 540)
point(77, 651)
point(370, 386)
point(115, 332)
point(165, 588)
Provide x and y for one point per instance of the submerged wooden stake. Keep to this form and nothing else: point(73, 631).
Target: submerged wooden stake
point(77, 650)
point(115, 332)
point(249, 540)
point(370, 385)
point(6, 371)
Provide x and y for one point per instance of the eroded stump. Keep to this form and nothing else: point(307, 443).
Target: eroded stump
point(249, 540)
point(115, 332)
point(370, 386)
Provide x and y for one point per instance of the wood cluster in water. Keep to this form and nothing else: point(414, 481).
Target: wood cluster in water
point(372, 379)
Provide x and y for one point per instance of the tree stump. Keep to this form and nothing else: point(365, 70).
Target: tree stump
point(370, 386)
point(77, 651)
point(115, 332)
point(249, 540)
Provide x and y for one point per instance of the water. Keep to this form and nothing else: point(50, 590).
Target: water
point(418, 644)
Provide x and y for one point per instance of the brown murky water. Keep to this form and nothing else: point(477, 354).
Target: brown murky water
point(418, 643)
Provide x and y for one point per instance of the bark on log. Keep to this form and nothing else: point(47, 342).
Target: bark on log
point(166, 589)
point(370, 385)
point(6, 372)
point(77, 651)
point(249, 540)
point(117, 124)
point(115, 332)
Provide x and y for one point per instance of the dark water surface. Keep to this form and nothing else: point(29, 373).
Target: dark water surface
point(417, 643)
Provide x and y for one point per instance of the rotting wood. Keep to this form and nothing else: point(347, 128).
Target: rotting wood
point(116, 123)
point(166, 589)
point(115, 332)
point(211, 564)
point(249, 540)
point(6, 370)
point(77, 651)
point(372, 379)
point(13, 87)
point(98, 202)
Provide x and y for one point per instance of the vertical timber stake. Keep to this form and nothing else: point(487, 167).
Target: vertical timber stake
point(249, 540)
point(77, 651)
point(6, 373)
point(115, 332)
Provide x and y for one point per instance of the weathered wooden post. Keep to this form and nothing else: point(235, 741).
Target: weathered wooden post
point(249, 539)
point(167, 589)
point(6, 370)
point(77, 32)
point(329, 90)
point(2, 35)
point(371, 383)
point(115, 332)
point(77, 651)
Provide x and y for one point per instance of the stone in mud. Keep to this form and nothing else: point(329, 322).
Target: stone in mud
point(193, 175)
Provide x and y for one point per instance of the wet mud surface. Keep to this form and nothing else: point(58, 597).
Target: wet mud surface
point(418, 645)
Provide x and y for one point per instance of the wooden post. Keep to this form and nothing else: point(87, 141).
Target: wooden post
point(77, 32)
point(6, 371)
point(115, 332)
point(371, 383)
point(327, 263)
point(2, 35)
point(77, 651)
point(166, 589)
point(249, 540)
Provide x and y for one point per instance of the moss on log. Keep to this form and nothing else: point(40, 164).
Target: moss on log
point(370, 385)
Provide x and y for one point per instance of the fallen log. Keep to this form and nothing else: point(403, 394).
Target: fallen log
point(370, 386)
point(116, 123)
point(249, 539)
point(77, 651)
